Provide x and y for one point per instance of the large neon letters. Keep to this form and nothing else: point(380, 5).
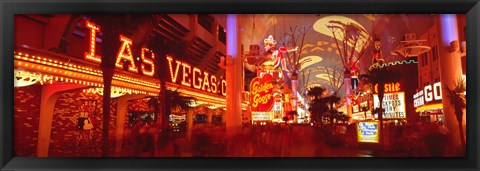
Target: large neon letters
point(147, 61)
point(190, 76)
point(194, 77)
point(90, 55)
point(125, 53)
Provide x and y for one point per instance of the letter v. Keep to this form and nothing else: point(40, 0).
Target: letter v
point(174, 77)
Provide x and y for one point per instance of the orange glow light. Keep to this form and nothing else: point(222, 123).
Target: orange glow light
point(224, 87)
point(206, 83)
point(186, 82)
point(147, 61)
point(173, 76)
point(213, 80)
point(90, 55)
point(197, 83)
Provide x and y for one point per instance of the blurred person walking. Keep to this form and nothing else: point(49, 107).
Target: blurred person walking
point(146, 141)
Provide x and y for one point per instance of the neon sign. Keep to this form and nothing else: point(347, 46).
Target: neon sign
point(389, 87)
point(368, 132)
point(197, 79)
point(90, 55)
point(190, 76)
point(428, 94)
point(261, 90)
point(124, 53)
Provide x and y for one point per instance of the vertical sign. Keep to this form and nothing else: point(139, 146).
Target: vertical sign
point(261, 94)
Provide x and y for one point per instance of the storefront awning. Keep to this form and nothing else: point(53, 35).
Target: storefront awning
point(430, 106)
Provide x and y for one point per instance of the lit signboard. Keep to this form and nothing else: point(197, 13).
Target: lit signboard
point(261, 116)
point(393, 104)
point(368, 132)
point(428, 94)
point(261, 94)
point(389, 87)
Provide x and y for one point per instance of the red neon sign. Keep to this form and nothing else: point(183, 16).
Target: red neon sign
point(191, 76)
point(389, 87)
point(194, 77)
point(261, 97)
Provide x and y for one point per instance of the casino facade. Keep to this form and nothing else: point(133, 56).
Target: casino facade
point(240, 78)
point(59, 81)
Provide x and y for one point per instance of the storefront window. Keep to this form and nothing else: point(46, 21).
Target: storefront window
point(140, 117)
point(200, 118)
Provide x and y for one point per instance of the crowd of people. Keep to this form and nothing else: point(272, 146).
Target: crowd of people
point(280, 140)
point(249, 141)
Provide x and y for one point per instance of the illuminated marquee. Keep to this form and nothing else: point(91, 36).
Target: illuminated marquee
point(389, 87)
point(368, 132)
point(124, 53)
point(393, 104)
point(393, 101)
point(195, 77)
point(190, 77)
point(428, 94)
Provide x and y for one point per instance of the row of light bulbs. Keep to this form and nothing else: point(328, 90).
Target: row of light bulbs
point(73, 67)
point(46, 78)
point(87, 70)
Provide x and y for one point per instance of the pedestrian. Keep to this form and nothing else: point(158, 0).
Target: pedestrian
point(166, 146)
point(202, 144)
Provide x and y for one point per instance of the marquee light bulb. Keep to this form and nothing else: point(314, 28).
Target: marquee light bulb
point(90, 55)
point(125, 53)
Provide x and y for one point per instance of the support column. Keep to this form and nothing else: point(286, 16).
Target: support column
point(224, 117)
point(209, 116)
point(347, 82)
point(122, 103)
point(234, 75)
point(50, 94)
point(189, 124)
point(450, 70)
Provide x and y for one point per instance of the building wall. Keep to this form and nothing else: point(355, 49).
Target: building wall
point(32, 28)
point(26, 119)
point(65, 135)
point(429, 73)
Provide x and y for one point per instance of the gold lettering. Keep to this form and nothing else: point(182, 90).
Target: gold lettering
point(125, 53)
point(186, 81)
point(213, 80)
point(206, 83)
point(173, 76)
point(197, 83)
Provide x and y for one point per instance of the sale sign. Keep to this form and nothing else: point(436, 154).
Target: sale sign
point(261, 94)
